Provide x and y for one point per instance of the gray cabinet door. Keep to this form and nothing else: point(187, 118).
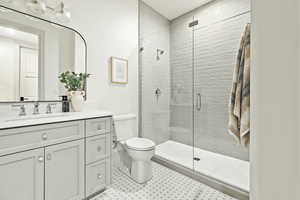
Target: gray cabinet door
point(64, 171)
point(22, 176)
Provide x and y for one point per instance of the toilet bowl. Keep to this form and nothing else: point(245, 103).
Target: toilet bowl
point(141, 151)
point(135, 153)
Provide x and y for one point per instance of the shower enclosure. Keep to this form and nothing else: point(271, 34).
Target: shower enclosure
point(184, 91)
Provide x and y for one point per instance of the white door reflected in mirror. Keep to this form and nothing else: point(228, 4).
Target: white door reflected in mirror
point(19, 55)
point(29, 73)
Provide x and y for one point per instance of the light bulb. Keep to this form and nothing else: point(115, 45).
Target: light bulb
point(36, 6)
point(62, 14)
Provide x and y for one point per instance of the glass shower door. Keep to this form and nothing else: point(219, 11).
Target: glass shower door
point(214, 57)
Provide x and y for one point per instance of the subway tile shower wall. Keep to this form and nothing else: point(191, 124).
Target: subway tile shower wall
point(155, 34)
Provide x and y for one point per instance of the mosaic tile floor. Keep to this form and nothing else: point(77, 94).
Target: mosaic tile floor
point(166, 184)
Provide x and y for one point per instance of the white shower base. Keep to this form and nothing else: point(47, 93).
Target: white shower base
point(225, 169)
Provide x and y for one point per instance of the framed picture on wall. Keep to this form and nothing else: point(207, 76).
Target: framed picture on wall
point(119, 70)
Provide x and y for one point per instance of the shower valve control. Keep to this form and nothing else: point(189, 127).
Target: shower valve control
point(158, 92)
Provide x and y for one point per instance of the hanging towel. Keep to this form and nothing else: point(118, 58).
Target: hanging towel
point(239, 105)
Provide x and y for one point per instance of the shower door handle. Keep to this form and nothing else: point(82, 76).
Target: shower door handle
point(199, 101)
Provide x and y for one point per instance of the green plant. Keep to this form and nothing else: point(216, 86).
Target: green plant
point(73, 81)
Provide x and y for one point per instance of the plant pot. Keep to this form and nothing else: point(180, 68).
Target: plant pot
point(77, 100)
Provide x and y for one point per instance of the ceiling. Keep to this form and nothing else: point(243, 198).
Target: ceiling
point(172, 9)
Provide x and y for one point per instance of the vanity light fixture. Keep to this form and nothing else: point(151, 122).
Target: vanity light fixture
point(41, 8)
point(36, 6)
point(62, 14)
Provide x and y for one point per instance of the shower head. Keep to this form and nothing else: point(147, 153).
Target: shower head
point(158, 53)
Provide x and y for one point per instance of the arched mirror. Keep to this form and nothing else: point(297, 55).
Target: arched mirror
point(33, 52)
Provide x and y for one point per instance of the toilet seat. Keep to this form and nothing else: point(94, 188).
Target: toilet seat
point(140, 144)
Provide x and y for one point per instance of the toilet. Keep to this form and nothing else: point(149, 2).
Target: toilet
point(135, 153)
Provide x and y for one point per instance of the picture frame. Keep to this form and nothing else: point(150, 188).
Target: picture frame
point(119, 70)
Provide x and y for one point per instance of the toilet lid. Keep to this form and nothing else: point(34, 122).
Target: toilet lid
point(140, 144)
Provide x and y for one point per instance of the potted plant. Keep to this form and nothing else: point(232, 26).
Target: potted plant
point(75, 85)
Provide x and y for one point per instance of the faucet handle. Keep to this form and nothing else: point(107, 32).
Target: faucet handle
point(49, 108)
point(36, 109)
point(22, 109)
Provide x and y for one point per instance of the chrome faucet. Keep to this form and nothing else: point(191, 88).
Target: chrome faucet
point(36, 109)
point(49, 108)
point(22, 109)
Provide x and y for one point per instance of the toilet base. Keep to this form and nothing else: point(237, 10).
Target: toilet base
point(135, 164)
point(141, 171)
point(136, 175)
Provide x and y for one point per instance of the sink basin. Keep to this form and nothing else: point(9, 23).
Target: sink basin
point(40, 116)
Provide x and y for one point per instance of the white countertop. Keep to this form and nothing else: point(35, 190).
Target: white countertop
point(31, 120)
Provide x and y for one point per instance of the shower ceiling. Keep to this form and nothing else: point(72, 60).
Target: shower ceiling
point(172, 9)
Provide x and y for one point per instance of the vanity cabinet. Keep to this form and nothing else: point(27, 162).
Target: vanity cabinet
point(22, 176)
point(98, 144)
point(59, 161)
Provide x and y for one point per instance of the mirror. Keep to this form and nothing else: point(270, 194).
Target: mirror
point(33, 52)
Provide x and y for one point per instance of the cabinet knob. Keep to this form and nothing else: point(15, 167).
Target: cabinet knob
point(99, 127)
point(49, 157)
point(41, 159)
point(99, 176)
point(45, 136)
point(99, 148)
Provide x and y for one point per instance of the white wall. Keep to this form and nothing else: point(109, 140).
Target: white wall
point(274, 100)
point(111, 29)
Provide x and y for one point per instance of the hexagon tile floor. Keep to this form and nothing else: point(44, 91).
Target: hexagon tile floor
point(166, 184)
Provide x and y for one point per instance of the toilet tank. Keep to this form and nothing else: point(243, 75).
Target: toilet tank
point(125, 126)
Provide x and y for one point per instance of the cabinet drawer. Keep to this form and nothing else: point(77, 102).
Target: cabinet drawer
point(95, 177)
point(20, 139)
point(97, 126)
point(97, 148)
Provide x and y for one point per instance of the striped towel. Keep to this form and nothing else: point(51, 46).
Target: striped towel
point(239, 105)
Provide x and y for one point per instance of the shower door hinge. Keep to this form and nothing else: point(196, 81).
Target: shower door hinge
point(193, 23)
point(196, 159)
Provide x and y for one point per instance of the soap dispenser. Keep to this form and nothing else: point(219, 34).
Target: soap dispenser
point(65, 104)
